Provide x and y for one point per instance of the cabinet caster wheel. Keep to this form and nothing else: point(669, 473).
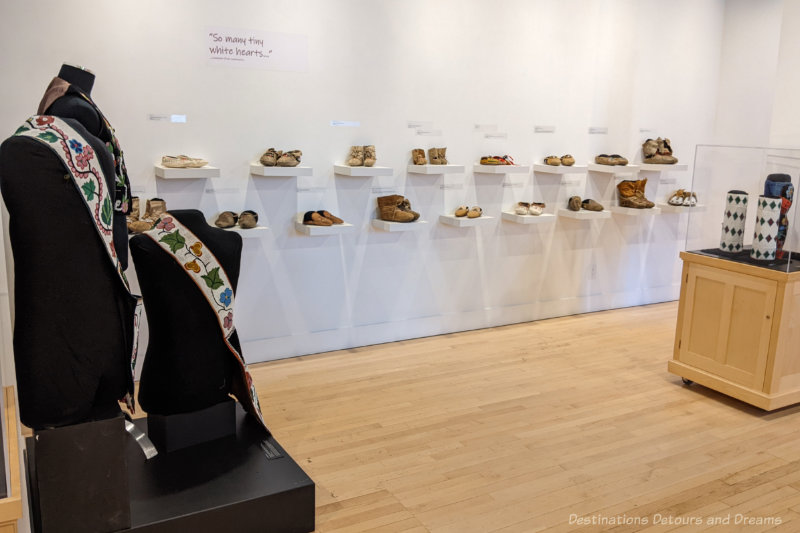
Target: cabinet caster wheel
point(687, 382)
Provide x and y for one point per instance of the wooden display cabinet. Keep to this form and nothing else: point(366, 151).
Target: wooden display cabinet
point(11, 505)
point(738, 331)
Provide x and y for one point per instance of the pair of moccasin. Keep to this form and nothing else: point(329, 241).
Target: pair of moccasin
point(154, 210)
point(246, 219)
point(554, 161)
point(438, 156)
point(658, 152)
point(396, 208)
point(320, 218)
point(610, 160)
point(273, 157)
point(532, 208)
point(362, 156)
point(469, 212)
point(182, 161)
point(497, 160)
point(575, 204)
point(684, 198)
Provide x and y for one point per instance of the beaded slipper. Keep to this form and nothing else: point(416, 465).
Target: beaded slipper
point(226, 219)
point(312, 218)
point(248, 219)
point(332, 218)
point(475, 212)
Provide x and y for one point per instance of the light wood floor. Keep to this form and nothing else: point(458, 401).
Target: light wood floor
point(516, 428)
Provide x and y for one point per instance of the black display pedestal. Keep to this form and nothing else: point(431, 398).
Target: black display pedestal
point(244, 483)
point(78, 479)
point(173, 432)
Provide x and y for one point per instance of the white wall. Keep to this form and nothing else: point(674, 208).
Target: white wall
point(640, 68)
point(750, 49)
point(785, 127)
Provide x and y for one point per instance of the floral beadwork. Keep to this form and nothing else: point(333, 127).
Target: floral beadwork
point(184, 245)
point(165, 224)
point(78, 157)
point(225, 296)
point(121, 182)
point(193, 266)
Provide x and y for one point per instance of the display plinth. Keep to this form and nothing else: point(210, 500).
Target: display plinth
point(316, 231)
point(736, 331)
point(612, 169)
point(435, 169)
point(560, 169)
point(249, 233)
point(244, 483)
point(464, 222)
point(173, 432)
point(385, 225)
point(228, 484)
point(169, 173)
point(584, 214)
point(681, 209)
point(528, 219)
point(634, 212)
point(500, 169)
point(257, 169)
point(79, 478)
point(677, 167)
point(345, 170)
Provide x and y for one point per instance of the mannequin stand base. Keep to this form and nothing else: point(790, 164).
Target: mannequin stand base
point(244, 483)
point(173, 432)
point(78, 479)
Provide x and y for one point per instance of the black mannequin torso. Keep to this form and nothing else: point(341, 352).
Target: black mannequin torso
point(73, 105)
point(187, 367)
point(73, 316)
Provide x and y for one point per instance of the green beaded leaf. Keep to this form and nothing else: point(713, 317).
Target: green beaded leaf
point(212, 279)
point(48, 136)
point(175, 241)
point(106, 213)
point(89, 190)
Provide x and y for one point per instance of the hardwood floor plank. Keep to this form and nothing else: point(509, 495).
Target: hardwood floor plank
point(517, 428)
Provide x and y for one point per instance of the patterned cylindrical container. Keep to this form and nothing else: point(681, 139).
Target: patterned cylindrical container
point(765, 236)
point(732, 239)
point(780, 186)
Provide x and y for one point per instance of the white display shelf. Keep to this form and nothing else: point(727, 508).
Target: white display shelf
point(257, 169)
point(584, 214)
point(435, 169)
point(314, 231)
point(681, 209)
point(613, 169)
point(633, 212)
point(560, 169)
point(250, 233)
point(501, 169)
point(677, 167)
point(528, 219)
point(464, 222)
point(186, 173)
point(345, 170)
point(385, 225)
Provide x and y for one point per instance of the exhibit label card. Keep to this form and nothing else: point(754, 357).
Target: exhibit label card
point(239, 47)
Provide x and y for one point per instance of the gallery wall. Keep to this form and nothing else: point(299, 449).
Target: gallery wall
point(636, 68)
